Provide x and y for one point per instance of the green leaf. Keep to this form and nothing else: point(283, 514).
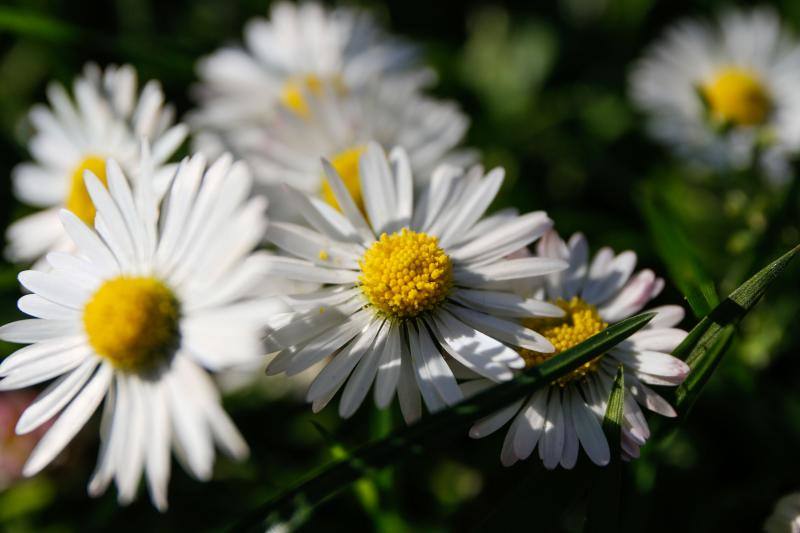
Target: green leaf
point(604, 499)
point(285, 507)
point(675, 249)
point(30, 24)
point(706, 344)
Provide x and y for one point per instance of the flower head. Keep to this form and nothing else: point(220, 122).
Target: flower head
point(411, 286)
point(295, 52)
point(106, 120)
point(569, 412)
point(337, 126)
point(154, 298)
point(785, 518)
point(722, 94)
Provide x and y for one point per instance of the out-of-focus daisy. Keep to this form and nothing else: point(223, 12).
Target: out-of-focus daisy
point(409, 286)
point(785, 518)
point(153, 298)
point(570, 411)
point(297, 50)
point(106, 120)
point(338, 126)
point(725, 95)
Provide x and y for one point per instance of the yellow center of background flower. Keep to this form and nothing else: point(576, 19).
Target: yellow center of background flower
point(580, 321)
point(406, 273)
point(133, 322)
point(346, 165)
point(737, 96)
point(293, 95)
point(78, 200)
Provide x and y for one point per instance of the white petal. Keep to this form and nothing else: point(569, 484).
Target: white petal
point(654, 363)
point(89, 243)
point(552, 441)
point(58, 394)
point(157, 459)
point(507, 269)
point(377, 187)
point(506, 304)
point(590, 433)
point(388, 373)
point(503, 330)
point(55, 288)
point(607, 276)
point(45, 368)
point(488, 425)
point(70, 422)
point(530, 431)
point(338, 369)
point(475, 350)
point(36, 306)
point(300, 270)
point(361, 380)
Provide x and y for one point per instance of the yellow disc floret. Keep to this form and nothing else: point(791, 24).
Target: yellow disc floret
point(133, 322)
point(78, 200)
point(346, 165)
point(294, 90)
point(737, 96)
point(580, 321)
point(405, 274)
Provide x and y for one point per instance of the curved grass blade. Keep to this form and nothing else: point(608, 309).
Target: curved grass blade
point(707, 343)
point(604, 500)
point(291, 506)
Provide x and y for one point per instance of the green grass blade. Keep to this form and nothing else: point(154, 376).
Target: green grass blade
point(604, 498)
point(706, 344)
point(287, 507)
point(675, 249)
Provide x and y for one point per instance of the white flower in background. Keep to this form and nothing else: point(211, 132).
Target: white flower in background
point(570, 411)
point(409, 286)
point(299, 48)
point(106, 120)
point(337, 126)
point(725, 95)
point(154, 299)
point(786, 516)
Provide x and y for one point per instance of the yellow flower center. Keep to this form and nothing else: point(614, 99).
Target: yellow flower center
point(580, 321)
point(78, 200)
point(737, 96)
point(133, 322)
point(293, 94)
point(405, 274)
point(346, 165)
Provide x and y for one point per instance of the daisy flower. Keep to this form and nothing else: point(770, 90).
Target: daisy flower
point(570, 411)
point(785, 518)
point(106, 120)
point(298, 49)
point(725, 95)
point(408, 286)
point(338, 126)
point(154, 299)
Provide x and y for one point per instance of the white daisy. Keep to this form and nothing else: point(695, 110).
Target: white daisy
point(570, 411)
point(299, 47)
point(337, 126)
point(725, 95)
point(106, 121)
point(137, 316)
point(785, 518)
point(409, 287)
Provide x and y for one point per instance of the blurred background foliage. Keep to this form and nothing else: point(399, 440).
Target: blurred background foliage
point(545, 85)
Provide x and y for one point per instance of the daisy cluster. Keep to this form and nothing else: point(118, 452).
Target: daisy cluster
point(319, 167)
